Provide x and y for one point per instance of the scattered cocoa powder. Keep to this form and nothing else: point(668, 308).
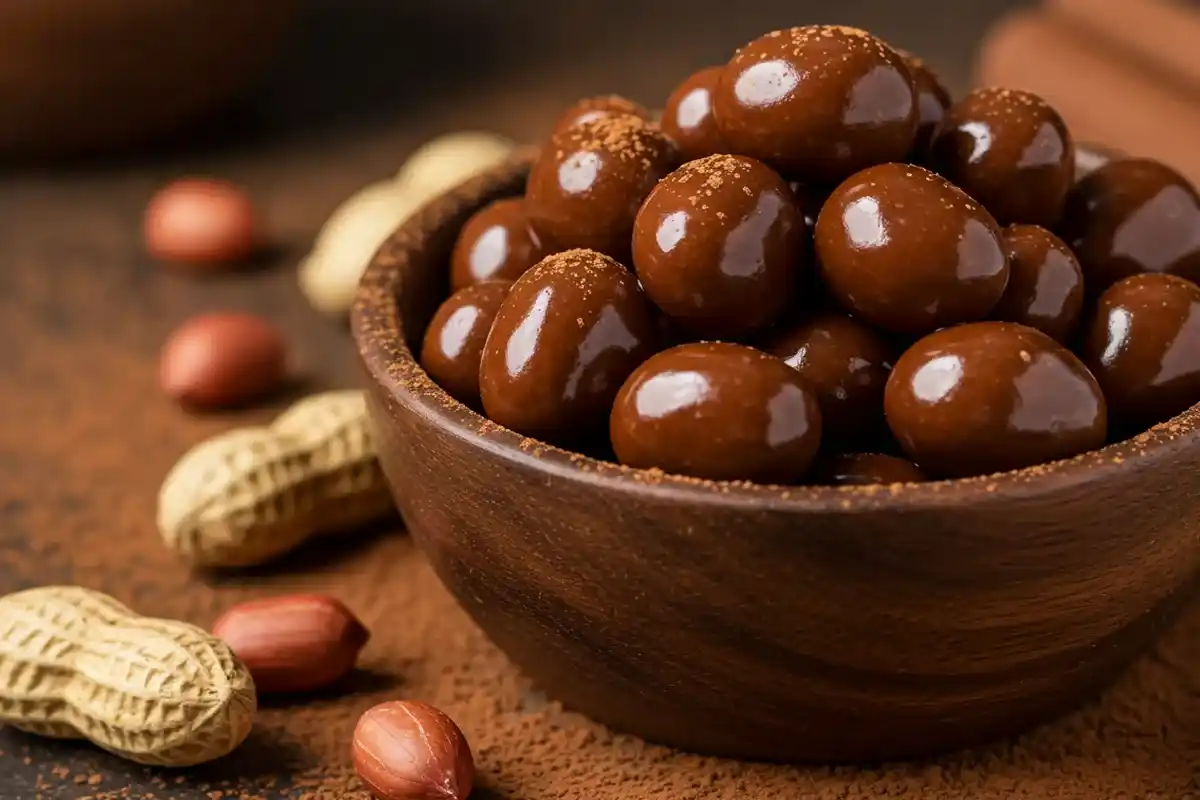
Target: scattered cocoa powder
point(1140, 741)
point(78, 479)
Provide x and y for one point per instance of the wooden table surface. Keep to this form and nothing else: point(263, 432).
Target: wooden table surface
point(85, 438)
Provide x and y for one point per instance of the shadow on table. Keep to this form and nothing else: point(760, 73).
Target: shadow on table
point(261, 756)
point(320, 552)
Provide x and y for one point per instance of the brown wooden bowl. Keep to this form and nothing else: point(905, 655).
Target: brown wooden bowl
point(79, 76)
point(775, 623)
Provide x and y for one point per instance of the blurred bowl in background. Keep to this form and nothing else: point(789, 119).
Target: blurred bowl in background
point(80, 76)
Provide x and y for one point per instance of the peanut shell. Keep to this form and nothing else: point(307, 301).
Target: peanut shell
point(76, 664)
point(329, 275)
point(448, 160)
point(251, 494)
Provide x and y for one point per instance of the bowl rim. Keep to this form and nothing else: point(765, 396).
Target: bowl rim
point(378, 331)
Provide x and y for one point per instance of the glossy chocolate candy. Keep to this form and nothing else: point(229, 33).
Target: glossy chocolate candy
point(453, 344)
point(595, 107)
point(1143, 346)
point(932, 101)
point(847, 365)
point(1090, 157)
point(992, 396)
point(570, 332)
point(688, 116)
point(719, 246)
point(497, 242)
point(907, 252)
point(1129, 216)
point(719, 411)
point(870, 469)
point(818, 103)
point(585, 188)
point(1045, 284)
point(1011, 151)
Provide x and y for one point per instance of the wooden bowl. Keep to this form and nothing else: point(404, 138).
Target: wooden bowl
point(774, 623)
point(78, 76)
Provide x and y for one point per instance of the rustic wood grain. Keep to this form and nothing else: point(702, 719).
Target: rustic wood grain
point(85, 438)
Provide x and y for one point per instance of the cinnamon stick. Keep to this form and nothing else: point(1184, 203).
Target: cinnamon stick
point(1103, 99)
point(1163, 34)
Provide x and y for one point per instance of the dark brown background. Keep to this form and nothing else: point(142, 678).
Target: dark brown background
point(85, 439)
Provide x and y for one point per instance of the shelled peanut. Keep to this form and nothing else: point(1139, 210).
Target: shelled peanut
point(251, 494)
point(221, 360)
point(76, 664)
point(329, 275)
point(201, 225)
point(405, 750)
point(293, 643)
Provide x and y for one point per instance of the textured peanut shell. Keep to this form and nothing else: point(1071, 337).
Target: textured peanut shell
point(447, 160)
point(251, 494)
point(76, 664)
point(329, 275)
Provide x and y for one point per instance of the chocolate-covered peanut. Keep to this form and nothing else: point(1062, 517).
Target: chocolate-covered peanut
point(453, 344)
point(497, 242)
point(932, 101)
point(992, 396)
point(1130, 216)
point(688, 116)
point(1011, 151)
point(719, 246)
point(847, 365)
point(720, 411)
point(585, 188)
point(593, 108)
point(870, 469)
point(818, 102)
point(1143, 345)
point(569, 333)
point(908, 252)
point(1045, 284)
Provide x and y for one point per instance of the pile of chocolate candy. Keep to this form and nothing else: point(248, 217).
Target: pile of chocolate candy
point(817, 267)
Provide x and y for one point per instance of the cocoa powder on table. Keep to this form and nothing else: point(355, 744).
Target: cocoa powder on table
point(1140, 741)
point(78, 480)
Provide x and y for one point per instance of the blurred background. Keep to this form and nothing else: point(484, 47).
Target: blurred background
point(514, 65)
point(105, 75)
point(312, 98)
point(109, 76)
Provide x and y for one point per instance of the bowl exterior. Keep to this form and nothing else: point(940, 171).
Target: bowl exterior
point(773, 623)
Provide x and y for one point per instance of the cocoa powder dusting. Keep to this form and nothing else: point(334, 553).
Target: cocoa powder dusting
point(1140, 741)
point(626, 137)
point(78, 482)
